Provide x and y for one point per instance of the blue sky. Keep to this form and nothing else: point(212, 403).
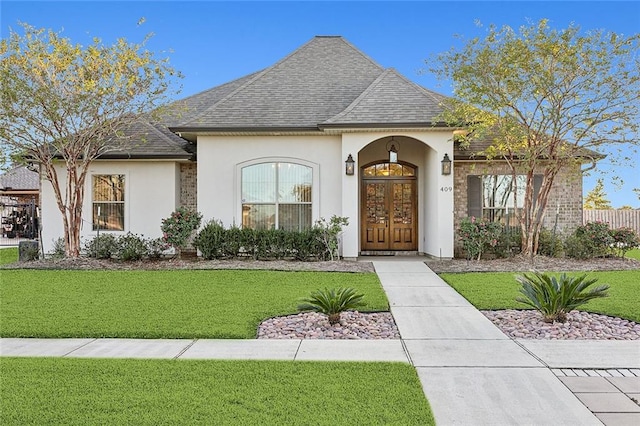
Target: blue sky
point(213, 42)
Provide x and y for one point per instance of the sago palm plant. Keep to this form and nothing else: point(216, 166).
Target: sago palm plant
point(554, 297)
point(332, 302)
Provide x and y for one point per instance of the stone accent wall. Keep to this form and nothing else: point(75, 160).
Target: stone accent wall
point(189, 185)
point(565, 199)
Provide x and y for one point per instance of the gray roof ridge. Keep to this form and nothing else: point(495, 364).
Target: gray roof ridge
point(427, 92)
point(360, 98)
point(259, 74)
point(217, 87)
point(364, 55)
point(256, 75)
point(158, 127)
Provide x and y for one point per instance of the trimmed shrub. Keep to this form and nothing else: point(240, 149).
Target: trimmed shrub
point(211, 240)
point(178, 228)
point(509, 242)
point(478, 235)
point(131, 247)
point(550, 244)
point(103, 246)
point(156, 248)
point(318, 243)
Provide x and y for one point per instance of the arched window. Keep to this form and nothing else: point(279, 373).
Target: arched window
point(389, 170)
point(277, 196)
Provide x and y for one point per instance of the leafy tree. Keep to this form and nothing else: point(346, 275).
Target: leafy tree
point(596, 199)
point(62, 105)
point(547, 100)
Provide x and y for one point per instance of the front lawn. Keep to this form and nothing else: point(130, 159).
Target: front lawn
point(150, 392)
point(498, 290)
point(161, 304)
point(633, 254)
point(8, 255)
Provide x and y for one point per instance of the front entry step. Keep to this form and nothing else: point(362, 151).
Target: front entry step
point(388, 253)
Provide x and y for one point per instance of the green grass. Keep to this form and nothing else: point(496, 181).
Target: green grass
point(633, 254)
point(498, 290)
point(151, 392)
point(161, 304)
point(8, 255)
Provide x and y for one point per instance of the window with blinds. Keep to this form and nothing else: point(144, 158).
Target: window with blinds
point(277, 196)
point(108, 202)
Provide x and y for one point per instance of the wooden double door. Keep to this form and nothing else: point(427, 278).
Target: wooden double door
point(389, 214)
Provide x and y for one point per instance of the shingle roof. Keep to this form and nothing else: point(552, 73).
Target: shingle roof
point(391, 99)
point(151, 140)
point(311, 85)
point(20, 178)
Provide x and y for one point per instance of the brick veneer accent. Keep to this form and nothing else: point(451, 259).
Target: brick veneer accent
point(189, 185)
point(565, 199)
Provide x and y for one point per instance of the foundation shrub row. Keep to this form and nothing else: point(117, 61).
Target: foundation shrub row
point(480, 238)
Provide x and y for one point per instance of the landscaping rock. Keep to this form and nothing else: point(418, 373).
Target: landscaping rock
point(311, 325)
point(528, 324)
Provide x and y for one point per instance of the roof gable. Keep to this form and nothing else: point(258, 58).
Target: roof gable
point(391, 99)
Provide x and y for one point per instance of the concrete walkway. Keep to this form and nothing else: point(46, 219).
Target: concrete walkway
point(471, 372)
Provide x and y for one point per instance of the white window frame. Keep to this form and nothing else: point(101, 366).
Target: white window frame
point(125, 203)
point(315, 185)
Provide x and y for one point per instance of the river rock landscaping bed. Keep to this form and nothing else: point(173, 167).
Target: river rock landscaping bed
point(528, 324)
point(311, 325)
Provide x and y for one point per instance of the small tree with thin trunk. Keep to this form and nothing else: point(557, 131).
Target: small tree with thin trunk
point(546, 99)
point(596, 199)
point(63, 105)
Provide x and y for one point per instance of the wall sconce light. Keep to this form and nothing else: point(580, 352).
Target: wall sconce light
point(349, 166)
point(393, 152)
point(446, 165)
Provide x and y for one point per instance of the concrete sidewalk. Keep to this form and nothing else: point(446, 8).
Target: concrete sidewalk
point(263, 349)
point(473, 374)
point(470, 371)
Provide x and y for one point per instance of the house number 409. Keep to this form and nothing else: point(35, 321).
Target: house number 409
point(446, 188)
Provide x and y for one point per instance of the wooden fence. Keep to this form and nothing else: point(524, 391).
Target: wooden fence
point(615, 218)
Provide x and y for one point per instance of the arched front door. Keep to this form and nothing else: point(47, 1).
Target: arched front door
point(389, 207)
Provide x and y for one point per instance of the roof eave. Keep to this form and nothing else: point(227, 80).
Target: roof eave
point(257, 129)
point(125, 156)
point(395, 125)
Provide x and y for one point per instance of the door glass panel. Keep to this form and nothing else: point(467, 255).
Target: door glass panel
point(395, 169)
point(375, 203)
point(408, 171)
point(382, 169)
point(402, 203)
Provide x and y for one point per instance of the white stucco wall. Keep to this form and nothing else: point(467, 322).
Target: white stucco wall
point(151, 194)
point(221, 158)
point(435, 191)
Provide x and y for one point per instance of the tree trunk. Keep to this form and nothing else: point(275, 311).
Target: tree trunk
point(69, 204)
point(534, 211)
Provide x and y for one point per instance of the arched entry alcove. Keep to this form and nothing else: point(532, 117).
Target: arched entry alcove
point(389, 207)
point(426, 198)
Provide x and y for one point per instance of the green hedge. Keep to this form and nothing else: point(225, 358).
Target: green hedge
point(216, 242)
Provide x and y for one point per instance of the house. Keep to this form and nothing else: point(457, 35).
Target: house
point(325, 131)
point(19, 198)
